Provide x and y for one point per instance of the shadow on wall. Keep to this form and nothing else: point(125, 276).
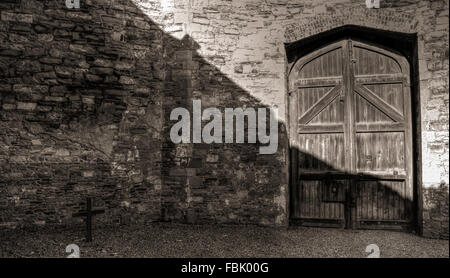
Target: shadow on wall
point(85, 112)
point(215, 182)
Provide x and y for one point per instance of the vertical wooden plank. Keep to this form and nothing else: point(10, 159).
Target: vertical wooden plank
point(399, 201)
point(318, 198)
point(386, 201)
point(394, 215)
point(294, 187)
point(326, 65)
point(349, 136)
point(310, 199)
point(329, 215)
point(381, 199)
point(319, 203)
point(314, 198)
point(293, 99)
point(392, 202)
point(408, 145)
point(361, 202)
point(405, 200)
point(364, 209)
point(369, 199)
point(305, 203)
point(302, 199)
point(309, 188)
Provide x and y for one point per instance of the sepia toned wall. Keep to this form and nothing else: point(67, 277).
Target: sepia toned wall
point(86, 96)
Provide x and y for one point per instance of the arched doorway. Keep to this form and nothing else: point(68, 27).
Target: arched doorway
point(351, 137)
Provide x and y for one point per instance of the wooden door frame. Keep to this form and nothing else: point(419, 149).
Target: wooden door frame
point(402, 44)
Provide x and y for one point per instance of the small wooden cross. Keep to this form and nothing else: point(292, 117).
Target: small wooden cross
point(88, 213)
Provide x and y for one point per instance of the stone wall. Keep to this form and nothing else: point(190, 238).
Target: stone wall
point(86, 97)
point(81, 111)
point(245, 40)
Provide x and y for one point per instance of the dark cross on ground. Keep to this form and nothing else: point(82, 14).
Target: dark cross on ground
point(88, 213)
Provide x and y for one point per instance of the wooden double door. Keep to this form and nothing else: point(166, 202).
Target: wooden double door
point(350, 138)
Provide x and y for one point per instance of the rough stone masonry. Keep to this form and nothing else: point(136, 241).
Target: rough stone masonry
point(86, 96)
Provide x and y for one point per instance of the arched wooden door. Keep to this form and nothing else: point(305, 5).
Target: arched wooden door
point(350, 138)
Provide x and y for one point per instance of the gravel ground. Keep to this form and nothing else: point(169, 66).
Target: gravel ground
point(173, 240)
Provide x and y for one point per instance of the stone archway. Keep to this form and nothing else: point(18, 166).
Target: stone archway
point(388, 20)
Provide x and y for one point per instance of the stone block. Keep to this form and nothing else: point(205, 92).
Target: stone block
point(28, 106)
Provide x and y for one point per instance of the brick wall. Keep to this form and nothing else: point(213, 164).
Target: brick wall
point(86, 97)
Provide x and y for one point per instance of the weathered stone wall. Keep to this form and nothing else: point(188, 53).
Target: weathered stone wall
point(244, 40)
point(84, 112)
point(80, 111)
point(85, 94)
